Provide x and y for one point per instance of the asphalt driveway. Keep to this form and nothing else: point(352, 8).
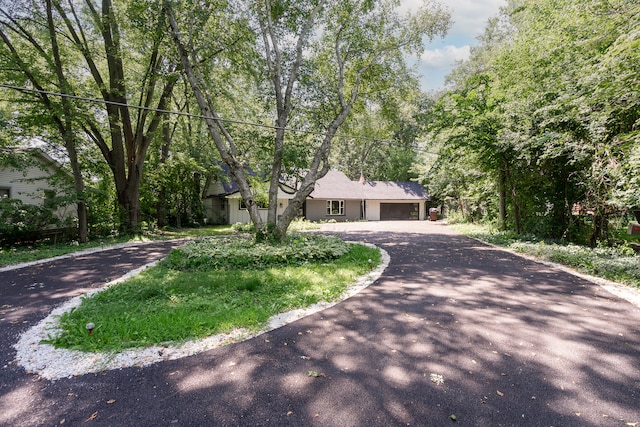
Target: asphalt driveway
point(453, 327)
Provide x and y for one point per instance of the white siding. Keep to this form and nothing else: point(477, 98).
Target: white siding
point(29, 186)
point(22, 186)
point(242, 215)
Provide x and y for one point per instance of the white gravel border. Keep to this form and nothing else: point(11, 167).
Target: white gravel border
point(51, 363)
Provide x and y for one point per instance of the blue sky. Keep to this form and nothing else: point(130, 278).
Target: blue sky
point(469, 20)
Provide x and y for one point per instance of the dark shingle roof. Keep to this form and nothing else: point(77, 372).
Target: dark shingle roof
point(336, 185)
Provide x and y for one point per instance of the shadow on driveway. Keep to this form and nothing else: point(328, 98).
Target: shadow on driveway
point(516, 343)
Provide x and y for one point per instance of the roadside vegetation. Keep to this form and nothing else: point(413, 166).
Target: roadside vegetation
point(618, 263)
point(215, 285)
point(46, 249)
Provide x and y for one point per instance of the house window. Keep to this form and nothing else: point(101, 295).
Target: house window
point(335, 207)
point(223, 204)
point(261, 204)
point(5, 193)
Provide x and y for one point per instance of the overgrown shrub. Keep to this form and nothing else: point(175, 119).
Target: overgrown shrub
point(243, 228)
point(243, 252)
point(20, 222)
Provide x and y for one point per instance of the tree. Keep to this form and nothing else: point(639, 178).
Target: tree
point(60, 111)
point(114, 53)
point(319, 60)
point(380, 139)
point(562, 88)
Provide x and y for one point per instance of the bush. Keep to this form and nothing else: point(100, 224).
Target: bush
point(20, 222)
point(242, 252)
point(243, 228)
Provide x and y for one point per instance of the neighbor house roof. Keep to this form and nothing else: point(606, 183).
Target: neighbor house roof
point(336, 185)
point(228, 185)
point(44, 159)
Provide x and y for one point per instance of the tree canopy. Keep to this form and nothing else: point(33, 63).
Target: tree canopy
point(316, 62)
point(547, 110)
point(260, 85)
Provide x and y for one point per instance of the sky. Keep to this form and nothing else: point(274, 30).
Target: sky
point(469, 20)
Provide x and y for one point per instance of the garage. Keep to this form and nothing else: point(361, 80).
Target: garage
point(399, 211)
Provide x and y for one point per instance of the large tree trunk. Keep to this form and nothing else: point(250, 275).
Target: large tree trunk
point(66, 128)
point(78, 182)
point(222, 139)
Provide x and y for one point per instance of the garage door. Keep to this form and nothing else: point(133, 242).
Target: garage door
point(399, 211)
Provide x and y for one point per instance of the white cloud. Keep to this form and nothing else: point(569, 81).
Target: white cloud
point(469, 21)
point(470, 16)
point(445, 57)
point(467, 14)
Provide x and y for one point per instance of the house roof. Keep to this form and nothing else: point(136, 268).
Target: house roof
point(229, 186)
point(44, 159)
point(336, 185)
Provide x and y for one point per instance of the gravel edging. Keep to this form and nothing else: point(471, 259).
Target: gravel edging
point(51, 363)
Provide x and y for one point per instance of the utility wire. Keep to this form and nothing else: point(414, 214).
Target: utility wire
point(180, 113)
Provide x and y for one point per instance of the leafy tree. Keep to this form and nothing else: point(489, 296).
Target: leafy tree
point(113, 52)
point(22, 42)
point(560, 81)
point(382, 136)
point(317, 60)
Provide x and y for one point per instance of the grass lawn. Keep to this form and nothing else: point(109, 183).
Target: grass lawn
point(214, 286)
point(619, 264)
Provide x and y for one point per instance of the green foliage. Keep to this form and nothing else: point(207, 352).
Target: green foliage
point(301, 224)
point(102, 210)
point(240, 252)
point(181, 179)
point(619, 263)
point(240, 227)
point(163, 305)
point(547, 110)
point(20, 222)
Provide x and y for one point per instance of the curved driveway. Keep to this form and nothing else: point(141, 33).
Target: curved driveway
point(516, 343)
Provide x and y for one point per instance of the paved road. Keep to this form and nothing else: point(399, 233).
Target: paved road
point(516, 343)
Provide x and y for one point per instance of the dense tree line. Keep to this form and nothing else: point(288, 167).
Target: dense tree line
point(541, 129)
point(120, 67)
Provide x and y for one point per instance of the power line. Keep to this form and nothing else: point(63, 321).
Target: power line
point(180, 113)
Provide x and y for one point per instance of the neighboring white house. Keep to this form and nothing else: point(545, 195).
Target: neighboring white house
point(30, 180)
point(335, 197)
point(223, 203)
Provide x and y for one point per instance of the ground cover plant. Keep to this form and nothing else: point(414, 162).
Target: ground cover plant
point(215, 286)
point(42, 250)
point(618, 263)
